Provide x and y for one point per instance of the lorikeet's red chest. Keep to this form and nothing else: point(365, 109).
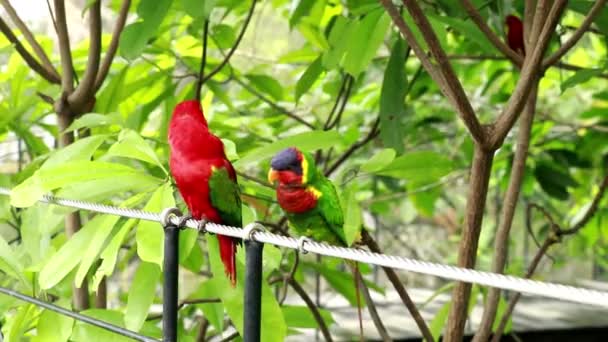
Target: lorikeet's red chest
point(296, 199)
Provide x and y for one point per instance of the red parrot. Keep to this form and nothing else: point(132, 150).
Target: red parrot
point(515, 34)
point(204, 176)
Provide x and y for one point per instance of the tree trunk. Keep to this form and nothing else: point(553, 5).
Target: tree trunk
point(476, 200)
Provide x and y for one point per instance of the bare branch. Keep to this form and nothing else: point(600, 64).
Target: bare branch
point(27, 57)
point(313, 308)
point(86, 88)
point(273, 104)
point(501, 240)
point(516, 58)
point(529, 73)
point(235, 46)
point(540, 16)
point(371, 308)
point(369, 241)
point(113, 47)
point(65, 52)
point(46, 63)
point(576, 36)
point(528, 22)
point(354, 147)
point(465, 112)
point(201, 69)
point(459, 97)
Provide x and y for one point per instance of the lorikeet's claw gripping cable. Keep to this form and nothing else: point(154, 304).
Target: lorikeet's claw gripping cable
point(506, 282)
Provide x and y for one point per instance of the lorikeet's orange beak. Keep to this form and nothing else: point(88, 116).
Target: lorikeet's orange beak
point(272, 176)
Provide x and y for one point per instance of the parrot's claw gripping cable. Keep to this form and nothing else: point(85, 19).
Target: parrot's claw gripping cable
point(181, 221)
point(201, 226)
point(301, 242)
point(250, 230)
point(167, 214)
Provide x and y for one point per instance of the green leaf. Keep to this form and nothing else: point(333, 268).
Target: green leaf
point(302, 10)
point(214, 312)
point(95, 120)
point(110, 97)
point(440, 320)
point(579, 77)
point(379, 161)
point(17, 325)
point(198, 8)
point(131, 145)
point(307, 141)
point(352, 215)
point(392, 98)
point(149, 235)
point(365, 41)
point(424, 201)
point(70, 173)
point(297, 316)
point(224, 35)
point(53, 327)
point(136, 36)
point(339, 39)
point(84, 332)
point(308, 78)
point(9, 263)
point(267, 85)
point(80, 150)
point(141, 295)
point(103, 226)
point(110, 253)
point(421, 167)
point(468, 30)
point(37, 225)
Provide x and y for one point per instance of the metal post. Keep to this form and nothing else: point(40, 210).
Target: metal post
point(253, 291)
point(170, 271)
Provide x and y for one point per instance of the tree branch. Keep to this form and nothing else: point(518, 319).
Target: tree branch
point(554, 237)
point(576, 36)
point(273, 104)
point(27, 57)
point(371, 308)
point(461, 101)
point(201, 69)
point(354, 147)
point(501, 240)
point(516, 58)
point(369, 241)
point(529, 73)
point(313, 308)
point(113, 47)
point(65, 52)
point(528, 23)
point(46, 63)
point(235, 46)
point(86, 88)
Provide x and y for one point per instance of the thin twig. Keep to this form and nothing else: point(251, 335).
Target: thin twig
point(516, 58)
point(354, 147)
point(201, 69)
point(371, 308)
point(369, 241)
point(576, 36)
point(27, 57)
point(113, 47)
point(29, 37)
point(184, 303)
point(235, 46)
point(273, 104)
point(313, 308)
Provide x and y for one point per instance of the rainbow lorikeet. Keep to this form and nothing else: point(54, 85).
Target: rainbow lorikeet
point(515, 34)
point(204, 176)
point(310, 202)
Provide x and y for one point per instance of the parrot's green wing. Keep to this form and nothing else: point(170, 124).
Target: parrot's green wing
point(225, 197)
point(329, 207)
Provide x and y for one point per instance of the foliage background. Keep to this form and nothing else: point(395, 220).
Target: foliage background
point(323, 75)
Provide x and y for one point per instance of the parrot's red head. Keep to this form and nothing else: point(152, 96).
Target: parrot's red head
point(191, 109)
point(513, 21)
point(286, 167)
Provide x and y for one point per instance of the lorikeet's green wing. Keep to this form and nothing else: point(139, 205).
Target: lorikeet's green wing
point(328, 206)
point(225, 198)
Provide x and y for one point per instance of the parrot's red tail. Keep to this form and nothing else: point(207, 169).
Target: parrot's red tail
point(228, 255)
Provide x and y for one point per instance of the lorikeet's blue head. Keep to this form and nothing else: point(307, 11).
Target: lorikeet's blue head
point(290, 167)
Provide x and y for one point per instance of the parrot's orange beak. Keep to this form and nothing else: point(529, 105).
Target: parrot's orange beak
point(272, 176)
